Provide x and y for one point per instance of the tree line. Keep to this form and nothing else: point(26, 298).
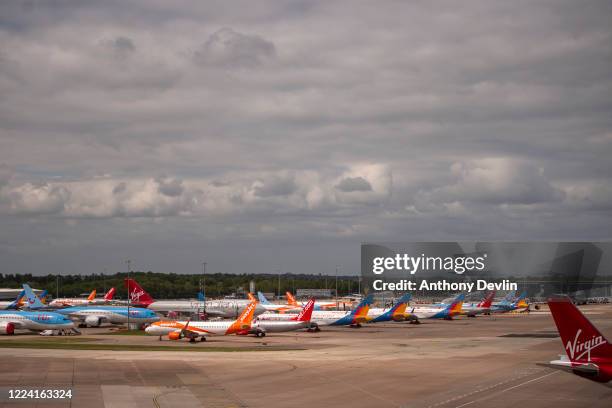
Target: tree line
point(173, 285)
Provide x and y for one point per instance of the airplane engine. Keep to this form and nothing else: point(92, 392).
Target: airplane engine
point(92, 321)
point(175, 335)
point(7, 328)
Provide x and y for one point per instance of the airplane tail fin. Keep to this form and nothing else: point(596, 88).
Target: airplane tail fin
point(364, 306)
point(521, 301)
point(201, 296)
point(110, 294)
point(291, 300)
point(262, 299)
point(401, 304)
point(92, 295)
point(33, 302)
point(251, 297)
point(43, 297)
point(455, 307)
point(306, 312)
point(580, 337)
point(137, 294)
point(246, 317)
point(488, 301)
point(507, 300)
point(18, 300)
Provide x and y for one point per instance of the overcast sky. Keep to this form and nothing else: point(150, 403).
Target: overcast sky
point(282, 135)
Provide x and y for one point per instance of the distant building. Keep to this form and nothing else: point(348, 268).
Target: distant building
point(317, 293)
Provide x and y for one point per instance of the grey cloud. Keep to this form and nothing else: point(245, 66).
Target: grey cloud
point(170, 187)
point(351, 184)
point(277, 186)
point(230, 48)
point(490, 114)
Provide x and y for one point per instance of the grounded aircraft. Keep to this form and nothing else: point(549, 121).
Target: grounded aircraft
point(328, 317)
point(482, 307)
point(396, 313)
point(94, 316)
point(588, 353)
point(36, 321)
point(90, 300)
point(218, 308)
point(274, 306)
point(436, 312)
point(176, 330)
point(299, 321)
point(509, 305)
point(319, 304)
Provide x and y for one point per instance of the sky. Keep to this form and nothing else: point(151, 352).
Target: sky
point(282, 136)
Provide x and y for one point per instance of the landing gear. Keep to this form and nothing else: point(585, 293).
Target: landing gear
point(160, 338)
point(202, 339)
point(191, 340)
point(356, 326)
point(260, 334)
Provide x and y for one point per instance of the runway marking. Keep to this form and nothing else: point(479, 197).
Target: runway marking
point(515, 378)
point(508, 389)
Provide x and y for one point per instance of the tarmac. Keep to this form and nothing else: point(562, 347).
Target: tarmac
point(488, 361)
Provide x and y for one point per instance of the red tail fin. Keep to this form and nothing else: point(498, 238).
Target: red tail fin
point(138, 294)
point(306, 312)
point(581, 339)
point(488, 301)
point(109, 295)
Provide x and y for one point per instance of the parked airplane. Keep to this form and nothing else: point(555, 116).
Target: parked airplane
point(274, 306)
point(90, 300)
point(94, 316)
point(176, 330)
point(300, 321)
point(510, 305)
point(35, 321)
point(482, 307)
point(588, 353)
point(218, 308)
point(436, 312)
point(319, 304)
point(328, 317)
point(396, 313)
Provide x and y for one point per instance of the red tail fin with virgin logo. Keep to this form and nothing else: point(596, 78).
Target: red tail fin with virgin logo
point(306, 312)
point(581, 340)
point(137, 294)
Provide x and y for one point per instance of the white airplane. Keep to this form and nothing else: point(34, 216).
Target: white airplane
point(176, 330)
point(297, 322)
point(352, 318)
point(446, 312)
point(90, 300)
point(218, 308)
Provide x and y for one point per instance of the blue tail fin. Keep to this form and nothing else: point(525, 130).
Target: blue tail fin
point(33, 302)
point(367, 301)
point(262, 299)
point(201, 296)
point(15, 303)
point(508, 299)
point(404, 299)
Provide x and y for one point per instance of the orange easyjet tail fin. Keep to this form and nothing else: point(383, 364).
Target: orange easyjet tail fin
point(92, 295)
point(291, 300)
point(251, 297)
